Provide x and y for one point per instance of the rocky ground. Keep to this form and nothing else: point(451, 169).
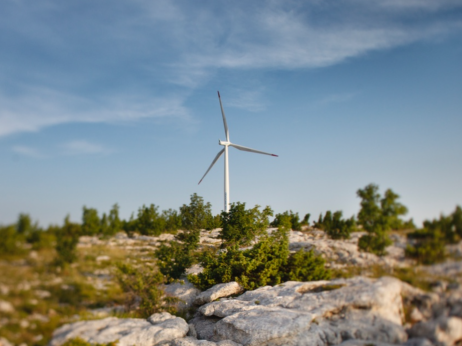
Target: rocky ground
point(369, 302)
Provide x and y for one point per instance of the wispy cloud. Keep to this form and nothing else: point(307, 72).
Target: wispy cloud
point(38, 108)
point(83, 147)
point(28, 151)
point(336, 98)
point(143, 59)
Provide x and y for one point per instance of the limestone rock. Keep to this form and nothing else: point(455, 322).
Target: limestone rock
point(183, 290)
point(6, 307)
point(5, 342)
point(218, 291)
point(310, 313)
point(189, 341)
point(128, 332)
point(444, 331)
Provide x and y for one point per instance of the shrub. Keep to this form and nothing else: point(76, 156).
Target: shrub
point(197, 215)
point(91, 223)
point(449, 227)
point(241, 226)
point(335, 226)
point(81, 342)
point(295, 223)
point(267, 263)
point(305, 266)
point(42, 239)
point(67, 238)
point(173, 260)
point(144, 285)
point(374, 243)
point(429, 245)
point(11, 242)
point(378, 216)
point(149, 221)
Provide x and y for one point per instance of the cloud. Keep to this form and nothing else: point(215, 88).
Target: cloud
point(92, 62)
point(83, 147)
point(336, 98)
point(37, 108)
point(27, 151)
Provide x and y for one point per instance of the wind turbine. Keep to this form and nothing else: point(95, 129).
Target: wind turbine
point(227, 144)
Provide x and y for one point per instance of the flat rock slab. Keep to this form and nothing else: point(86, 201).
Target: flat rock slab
point(218, 291)
point(159, 328)
point(308, 313)
point(189, 341)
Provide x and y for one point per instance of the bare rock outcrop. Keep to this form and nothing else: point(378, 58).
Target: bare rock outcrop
point(219, 291)
point(310, 313)
point(157, 329)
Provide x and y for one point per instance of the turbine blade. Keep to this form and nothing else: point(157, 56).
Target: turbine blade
point(240, 147)
point(215, 160)
point(224, 118)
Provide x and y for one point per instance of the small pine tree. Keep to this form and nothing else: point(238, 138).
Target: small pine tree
point(378, 216)
point(67, 238)
point(115, 224)
point(197, 215)
point(91, 223)
point(241, 226)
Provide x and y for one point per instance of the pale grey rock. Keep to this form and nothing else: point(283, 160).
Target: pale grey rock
point(308, 313)
point(192, 331)
point(160, 317)
point(345, 251)
point(447, 269)
point(183, 290)
point(204, 326)
point(5, 342)
point(418, 342)
point(356, 342)
point(218, 291)
point(416, 315)
point(4, 290)
point(6, 307)
point(128, 332)
point(444, 331)
point(190, 341)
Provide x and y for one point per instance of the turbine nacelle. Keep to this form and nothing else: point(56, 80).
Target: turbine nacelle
point(224, 143)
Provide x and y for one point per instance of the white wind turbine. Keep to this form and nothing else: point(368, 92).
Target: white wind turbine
point(227, 144)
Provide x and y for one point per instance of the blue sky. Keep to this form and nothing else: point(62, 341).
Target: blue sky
point(115, 102)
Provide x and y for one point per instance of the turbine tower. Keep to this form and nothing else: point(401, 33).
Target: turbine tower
point(227, 144)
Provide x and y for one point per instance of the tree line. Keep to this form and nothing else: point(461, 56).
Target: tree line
point(378, 215)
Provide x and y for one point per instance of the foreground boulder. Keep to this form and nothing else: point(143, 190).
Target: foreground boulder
point(310, 313)
point(157, 329)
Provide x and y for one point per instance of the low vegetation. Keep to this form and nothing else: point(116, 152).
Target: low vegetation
point(73, 271)
point(268, 262)
point(335, 226)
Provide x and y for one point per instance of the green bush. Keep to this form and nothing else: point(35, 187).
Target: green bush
point(197, 215)
point(150, 221)
point(305, 266)
point(375, 243)
point(449, 227)
point(241, 226)
point(42, 239)
point(11, 242)
point(144, 284)
point(91, 223)
point(378, 216)
point(81, 342)
point(335, 226)
point(267, 263)
point(428, 244)
point(296, 225)
point(67, 238)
